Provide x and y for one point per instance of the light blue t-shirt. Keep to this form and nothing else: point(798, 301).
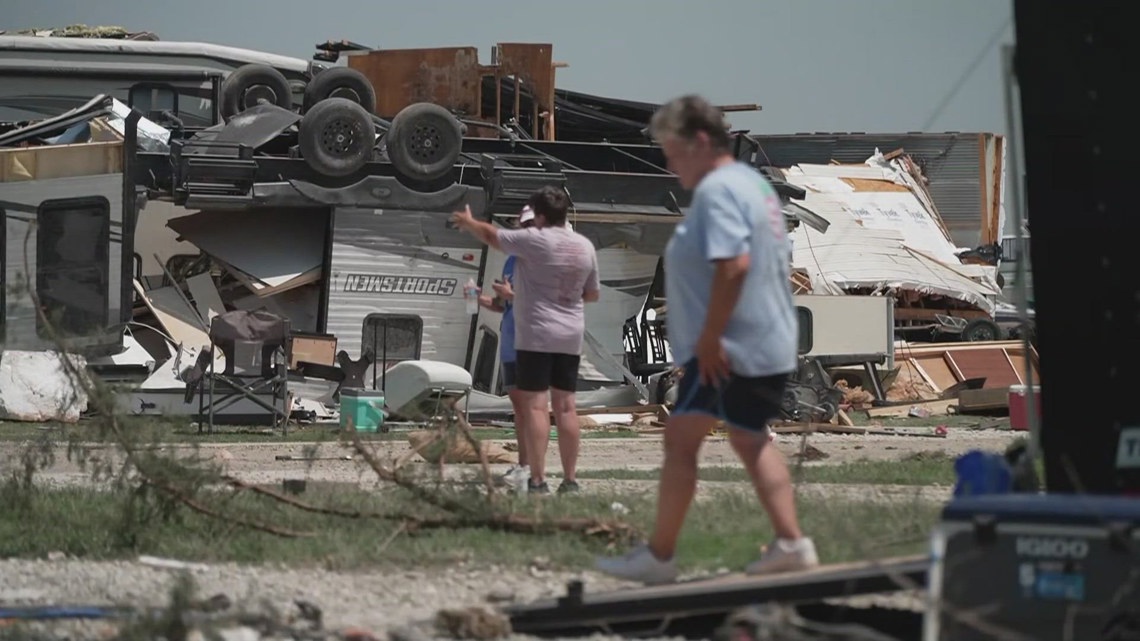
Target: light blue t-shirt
point(734, 211)
point(507, 326)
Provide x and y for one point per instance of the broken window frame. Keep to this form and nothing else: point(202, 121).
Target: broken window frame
point(102, 263)
point(486, 359)
point(187, 101)
point(806, 340)
point(382, 359)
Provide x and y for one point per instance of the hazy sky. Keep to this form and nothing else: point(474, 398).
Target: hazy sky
point(814, 65)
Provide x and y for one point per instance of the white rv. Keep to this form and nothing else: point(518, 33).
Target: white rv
point(43, 77)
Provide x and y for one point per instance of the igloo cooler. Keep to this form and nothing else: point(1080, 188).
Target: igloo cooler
point(1046, 567)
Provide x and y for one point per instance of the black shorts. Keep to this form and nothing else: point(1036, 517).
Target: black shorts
point(540, 371)
point(747, 403)
point(508, 374)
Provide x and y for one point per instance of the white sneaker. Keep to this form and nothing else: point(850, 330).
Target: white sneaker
point(516, 478)
point(785, 555)
point(639, 565)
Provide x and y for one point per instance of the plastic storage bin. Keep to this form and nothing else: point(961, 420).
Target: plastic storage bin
point(363, 407)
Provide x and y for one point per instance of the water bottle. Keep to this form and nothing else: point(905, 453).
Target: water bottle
point(471, 296)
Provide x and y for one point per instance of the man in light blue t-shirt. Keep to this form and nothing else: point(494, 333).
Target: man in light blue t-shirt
point(504, 302)
point(732, 327)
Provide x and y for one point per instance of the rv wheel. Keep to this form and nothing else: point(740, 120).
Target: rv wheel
point(341, 82)
point(981, 329)
point(248, 85)
point(336, 137)
point(424, 141)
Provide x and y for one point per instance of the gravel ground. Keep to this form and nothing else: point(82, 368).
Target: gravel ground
point(255, 462)
point(378, 600)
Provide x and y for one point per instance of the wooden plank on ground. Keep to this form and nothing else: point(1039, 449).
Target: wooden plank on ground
point(627, 409)
point(978, 400)
point(936, 408)
point(811, 428)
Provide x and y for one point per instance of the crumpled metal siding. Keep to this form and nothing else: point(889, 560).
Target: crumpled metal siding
point(952, 162)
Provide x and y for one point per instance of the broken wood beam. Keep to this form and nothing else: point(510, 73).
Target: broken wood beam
point(810, 428)
point(625, 409)
point(936, 408)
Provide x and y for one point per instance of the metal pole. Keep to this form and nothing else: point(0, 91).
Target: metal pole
point(1021, 287)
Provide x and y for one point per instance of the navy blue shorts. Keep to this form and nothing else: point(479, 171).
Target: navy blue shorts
point(744, 402)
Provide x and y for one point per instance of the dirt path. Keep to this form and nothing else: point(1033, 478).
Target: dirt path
point(256, 462)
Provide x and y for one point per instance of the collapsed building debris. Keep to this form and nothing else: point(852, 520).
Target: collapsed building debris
point(235, 208)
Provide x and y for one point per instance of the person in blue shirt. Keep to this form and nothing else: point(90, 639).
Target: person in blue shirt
point(732, 326)
point(503, 302)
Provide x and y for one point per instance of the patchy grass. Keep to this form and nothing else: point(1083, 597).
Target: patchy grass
point(722, 531)
point(921, 468)
point(172, 431)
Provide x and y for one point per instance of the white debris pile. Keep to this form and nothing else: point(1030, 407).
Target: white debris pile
point(39, 386)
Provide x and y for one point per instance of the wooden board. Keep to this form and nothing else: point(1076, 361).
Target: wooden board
point(61, 161)
point(717, 595)
point(991, 364)
point(737, 579)
point(626, 409)
point(811, 428)
point(983, 399)
point(447, 76)
point(179, 320)
point(207, 300)
point(937, 408)
point(937, 370)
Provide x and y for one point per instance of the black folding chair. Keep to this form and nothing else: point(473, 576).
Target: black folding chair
point(256, 347)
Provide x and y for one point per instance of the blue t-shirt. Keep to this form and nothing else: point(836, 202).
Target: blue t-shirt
point(507, 326)
point(734, 211)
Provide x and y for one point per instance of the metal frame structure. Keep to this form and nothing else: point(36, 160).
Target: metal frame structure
point(663, 610)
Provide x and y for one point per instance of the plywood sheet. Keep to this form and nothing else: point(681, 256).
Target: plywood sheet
point(937, 370)
point(207, 300)
point(990, 363)
point(1017, 359)
point(446, 76)
point(61, 161)
point(178, 320)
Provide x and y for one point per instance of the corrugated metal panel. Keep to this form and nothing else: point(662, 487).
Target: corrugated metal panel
point(952, 162)
point(20, 314)
point(377, 254)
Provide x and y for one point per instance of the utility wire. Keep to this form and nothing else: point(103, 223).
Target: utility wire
point(961, 82)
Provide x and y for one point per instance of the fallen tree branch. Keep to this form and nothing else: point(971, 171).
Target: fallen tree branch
point(236, 520)
point(512, 523)
point(484, 464)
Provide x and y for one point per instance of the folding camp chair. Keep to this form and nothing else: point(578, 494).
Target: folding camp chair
point(256, 347)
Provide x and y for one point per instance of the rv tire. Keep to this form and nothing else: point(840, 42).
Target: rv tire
point(337, 136)
point(340, 82)
point(247, 85)
point(424, 141)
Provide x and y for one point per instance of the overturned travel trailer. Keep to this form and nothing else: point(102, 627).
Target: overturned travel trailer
point(43, 77)
point(66, 224)
point(371, 259)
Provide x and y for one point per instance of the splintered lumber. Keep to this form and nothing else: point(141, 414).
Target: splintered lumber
point(626, 409)
point(823, 428)
point(936, 408)
point(844, 419)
